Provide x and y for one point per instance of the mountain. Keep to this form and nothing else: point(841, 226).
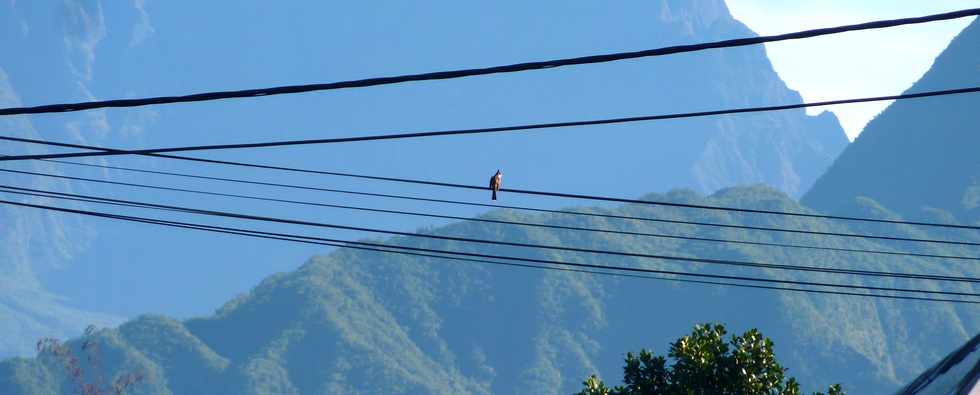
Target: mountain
point(90, 49)
point(367, 322)
point(918, 157)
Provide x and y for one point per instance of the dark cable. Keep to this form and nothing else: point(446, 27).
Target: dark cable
point(531, 209)
point(441, 75)
point(487, 220)
point(521, 191)
point(303, 239)
point(356, 245)
point(499, 129)
point(726, 262)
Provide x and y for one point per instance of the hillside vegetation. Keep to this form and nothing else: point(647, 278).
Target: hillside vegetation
point(364, 322)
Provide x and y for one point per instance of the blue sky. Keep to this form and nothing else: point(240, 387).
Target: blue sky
point(871, 63)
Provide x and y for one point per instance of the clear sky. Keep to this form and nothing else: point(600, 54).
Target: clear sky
point(880, 62)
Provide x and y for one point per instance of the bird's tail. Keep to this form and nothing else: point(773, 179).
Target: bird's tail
point(494, 197)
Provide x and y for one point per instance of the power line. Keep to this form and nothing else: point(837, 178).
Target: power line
point(306, 239)
point(455, 254)
point(520, 191)
point(499, 129)
point(725, 262)
point(499, 206)
point(614, 274)
point(441, 75)
point(487, 220)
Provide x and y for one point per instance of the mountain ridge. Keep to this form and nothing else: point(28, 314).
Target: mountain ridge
point(360, 322)
point(917, 157)
point(786, 150)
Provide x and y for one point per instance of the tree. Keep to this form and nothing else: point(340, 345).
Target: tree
point(92, 383)
point(704, 363)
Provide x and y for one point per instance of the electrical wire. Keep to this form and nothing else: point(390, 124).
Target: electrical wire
point(725, 262)
point(498, 129)
point(488, 220)
point(521, 191)
point(455, 254)
point(442, 75)
point(533, 209)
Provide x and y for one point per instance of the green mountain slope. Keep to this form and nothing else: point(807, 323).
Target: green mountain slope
point(364, 322)
point(918, 155)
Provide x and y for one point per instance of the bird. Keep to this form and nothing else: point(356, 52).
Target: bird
point(495, 183)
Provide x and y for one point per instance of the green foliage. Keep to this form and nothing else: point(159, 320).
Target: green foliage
point(704, 363)
point(594, 386)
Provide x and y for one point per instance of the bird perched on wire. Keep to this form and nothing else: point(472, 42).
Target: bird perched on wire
point(495, 183)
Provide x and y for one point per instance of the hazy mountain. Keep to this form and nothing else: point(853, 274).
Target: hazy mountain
point(364, 322)
point(918, 156)
point(88, 50)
